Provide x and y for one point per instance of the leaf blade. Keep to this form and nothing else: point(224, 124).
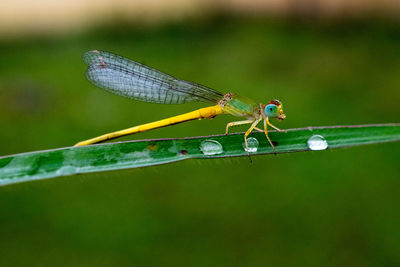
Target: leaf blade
point(141, 153)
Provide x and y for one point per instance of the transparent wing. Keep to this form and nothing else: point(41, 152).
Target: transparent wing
point(131, 79)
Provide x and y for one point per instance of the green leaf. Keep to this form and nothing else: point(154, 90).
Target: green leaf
point(133, 154)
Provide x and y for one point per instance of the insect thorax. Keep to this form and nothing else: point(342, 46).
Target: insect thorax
point(238, 106)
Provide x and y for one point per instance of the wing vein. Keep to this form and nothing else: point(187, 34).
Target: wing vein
point(134, 80)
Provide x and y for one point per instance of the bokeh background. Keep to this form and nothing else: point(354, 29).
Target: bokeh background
point(330, 62)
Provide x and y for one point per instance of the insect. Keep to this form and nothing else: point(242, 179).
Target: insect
point(134, 80)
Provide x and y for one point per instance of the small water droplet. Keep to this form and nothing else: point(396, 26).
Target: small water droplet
point(317, 142)
point(211, 147)
point(252, 144)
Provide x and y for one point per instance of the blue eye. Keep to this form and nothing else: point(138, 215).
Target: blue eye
point(271, 110)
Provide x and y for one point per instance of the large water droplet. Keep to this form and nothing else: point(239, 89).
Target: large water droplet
point(252, 145)
point(317, 142)
point(211, 147)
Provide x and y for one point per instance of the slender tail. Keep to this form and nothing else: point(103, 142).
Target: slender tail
point(203, 113)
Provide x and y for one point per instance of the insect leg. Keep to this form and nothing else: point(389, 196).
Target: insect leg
point(273, 126)
point(257, 121)
point(235, 123)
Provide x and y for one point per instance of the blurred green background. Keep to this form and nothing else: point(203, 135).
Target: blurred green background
point(330, 208)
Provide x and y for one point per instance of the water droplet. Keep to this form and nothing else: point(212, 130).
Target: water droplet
point(211, 147)
point(252, 145)
point(317, 142)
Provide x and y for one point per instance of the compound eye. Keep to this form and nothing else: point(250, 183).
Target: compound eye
point(271, 110)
